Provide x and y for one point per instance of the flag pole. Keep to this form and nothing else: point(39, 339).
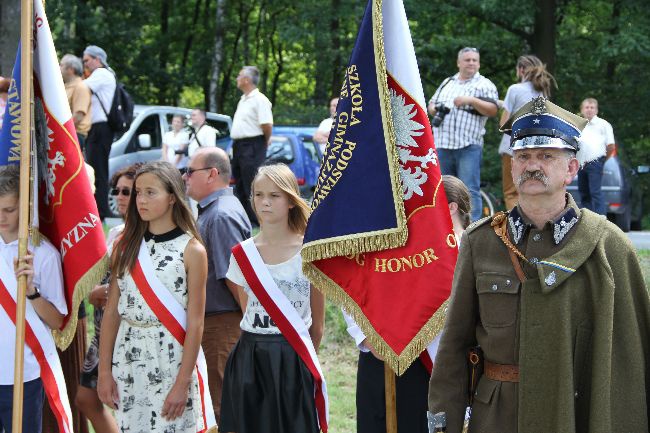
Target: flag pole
point(391, 406)
point(26, 19)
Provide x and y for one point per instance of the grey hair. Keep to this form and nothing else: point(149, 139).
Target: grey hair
point(253, 73)
point(216, 157)
point(10, 180)
point(73, 62)
point(468, 50)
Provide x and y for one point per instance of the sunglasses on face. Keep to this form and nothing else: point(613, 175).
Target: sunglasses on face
point(190, 171)
point(124, 191)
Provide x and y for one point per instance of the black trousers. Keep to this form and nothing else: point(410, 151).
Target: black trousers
point(98, 147)
point(247, 156)
point(412, 390)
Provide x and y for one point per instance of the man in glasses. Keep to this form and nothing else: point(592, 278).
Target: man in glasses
point(222, 223)
point(460, 108)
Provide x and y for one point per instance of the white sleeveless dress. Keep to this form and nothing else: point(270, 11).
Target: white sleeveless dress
point(147, 358)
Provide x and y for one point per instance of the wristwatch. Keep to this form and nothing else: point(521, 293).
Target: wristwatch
point(35, 295)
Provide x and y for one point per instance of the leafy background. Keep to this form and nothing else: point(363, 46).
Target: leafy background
point(188, 52)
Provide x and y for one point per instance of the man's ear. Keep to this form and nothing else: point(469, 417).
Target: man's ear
point(453, 208)
point(574, 166)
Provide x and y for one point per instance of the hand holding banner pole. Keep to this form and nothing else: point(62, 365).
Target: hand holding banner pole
point(23, 225)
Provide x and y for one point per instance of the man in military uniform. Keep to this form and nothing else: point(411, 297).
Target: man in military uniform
point(554, 296)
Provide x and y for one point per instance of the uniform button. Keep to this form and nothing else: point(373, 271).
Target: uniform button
point(508, 282)
point(537, 237)
point(494, 287)
point(534, 260)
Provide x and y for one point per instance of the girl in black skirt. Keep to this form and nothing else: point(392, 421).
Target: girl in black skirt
point(267, 387)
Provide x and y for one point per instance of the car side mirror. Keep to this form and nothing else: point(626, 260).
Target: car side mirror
point(144, 141)
point(643, 169)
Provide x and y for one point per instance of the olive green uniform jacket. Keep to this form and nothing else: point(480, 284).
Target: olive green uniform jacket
point(577, 327)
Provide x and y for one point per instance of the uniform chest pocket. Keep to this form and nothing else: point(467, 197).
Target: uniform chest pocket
point(498, 299)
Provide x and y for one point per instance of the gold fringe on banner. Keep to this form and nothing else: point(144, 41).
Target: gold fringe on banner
point(381, 239)
point(86, 283)
point(397, 362)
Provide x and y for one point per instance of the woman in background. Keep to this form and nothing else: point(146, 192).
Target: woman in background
point(534, 81)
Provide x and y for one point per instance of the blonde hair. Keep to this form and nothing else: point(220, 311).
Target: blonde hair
point(282, 176)
point(534, 70)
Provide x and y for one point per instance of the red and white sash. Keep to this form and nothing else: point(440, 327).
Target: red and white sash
point(39, 340)
point(173, 317)
point(286, 318)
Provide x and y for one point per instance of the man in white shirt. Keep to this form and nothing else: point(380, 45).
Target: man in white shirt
point(322, 134)
point(252, 125)
point(203, 135)
point(590, 177)
point(101, 83)
point(46, 296)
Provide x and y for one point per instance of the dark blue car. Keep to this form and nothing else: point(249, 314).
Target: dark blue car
point(294, 146)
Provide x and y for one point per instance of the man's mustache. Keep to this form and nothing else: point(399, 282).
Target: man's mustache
point(532, 175)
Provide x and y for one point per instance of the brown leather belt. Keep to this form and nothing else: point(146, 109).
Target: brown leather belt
point(501, 372)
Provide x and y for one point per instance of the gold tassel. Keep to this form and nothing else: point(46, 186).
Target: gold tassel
point(86, 283)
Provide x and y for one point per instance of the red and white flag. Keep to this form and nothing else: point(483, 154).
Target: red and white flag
point(67, 210)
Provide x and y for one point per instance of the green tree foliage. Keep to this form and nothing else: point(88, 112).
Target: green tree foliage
point(164, 49)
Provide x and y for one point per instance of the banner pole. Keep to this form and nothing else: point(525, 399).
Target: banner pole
point(24, 218)
point(391, 405)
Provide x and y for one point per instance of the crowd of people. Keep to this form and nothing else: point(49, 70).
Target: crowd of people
point(185, 335)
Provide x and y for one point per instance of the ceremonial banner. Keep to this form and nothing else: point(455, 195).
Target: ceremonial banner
point(379, 241)
point(66, 207)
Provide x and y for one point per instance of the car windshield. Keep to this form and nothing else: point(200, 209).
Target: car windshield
point(279, 149)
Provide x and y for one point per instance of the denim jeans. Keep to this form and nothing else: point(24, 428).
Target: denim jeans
point(590, 182)
point(33, 396)
point(465, 164)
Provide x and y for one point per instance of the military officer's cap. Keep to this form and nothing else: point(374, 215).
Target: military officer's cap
point(542, 124)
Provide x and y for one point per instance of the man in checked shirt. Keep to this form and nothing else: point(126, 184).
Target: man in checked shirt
point(460, 108)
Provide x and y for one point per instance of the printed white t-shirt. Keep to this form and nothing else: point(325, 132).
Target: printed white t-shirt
point(291, 282)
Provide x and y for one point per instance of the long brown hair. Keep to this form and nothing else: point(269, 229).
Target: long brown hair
point(283, 177)
point(534, 70)
point(126, 250)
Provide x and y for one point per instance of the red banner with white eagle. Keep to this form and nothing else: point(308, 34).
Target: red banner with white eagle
point(380, 240)
point(67, 211)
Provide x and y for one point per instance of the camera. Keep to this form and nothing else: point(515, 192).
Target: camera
point(441, 111)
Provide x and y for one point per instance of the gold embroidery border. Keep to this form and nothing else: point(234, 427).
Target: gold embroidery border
point(377, 240)
point(397, 362)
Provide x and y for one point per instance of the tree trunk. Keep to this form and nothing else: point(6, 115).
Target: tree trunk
point(543, 41)
point(190, 38)
point(337, 72)
point(9, 34)
point(163, 55)
point(228, 70)
point(613, 33)
point(216, 57)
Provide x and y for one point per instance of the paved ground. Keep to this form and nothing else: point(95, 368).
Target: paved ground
point(640, 240)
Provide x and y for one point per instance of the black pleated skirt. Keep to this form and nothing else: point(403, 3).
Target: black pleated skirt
point(267, 388)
